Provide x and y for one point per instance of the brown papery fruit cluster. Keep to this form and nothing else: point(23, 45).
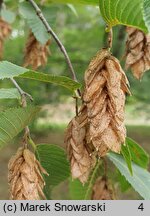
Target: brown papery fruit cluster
point(99, 127)
point(5, 30)
point(78, 148)
point(104, 96)
point(138, 52)
point(36, 54)
point(102, 190)
point(25, 176)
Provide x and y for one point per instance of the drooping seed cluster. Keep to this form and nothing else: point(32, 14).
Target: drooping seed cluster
point(77, 147)
point(25, 176)
point(103, 190)
point(138, 52)
point(104, 96)
point(35, 53)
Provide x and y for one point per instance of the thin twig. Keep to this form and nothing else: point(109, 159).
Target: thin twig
point(76, 106)
point(20, 90)
point(24, 96)
point(110, 38)
point(51, 32)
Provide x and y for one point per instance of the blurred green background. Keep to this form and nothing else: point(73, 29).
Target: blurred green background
point(82, 31)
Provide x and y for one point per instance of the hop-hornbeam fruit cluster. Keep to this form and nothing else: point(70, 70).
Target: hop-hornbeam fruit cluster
point(104, 96)
point(5, 30)
point(77, 147)
point(25, 176)
point(99, 127)
point(138, 52)
point(36, 54)
point(102, 190)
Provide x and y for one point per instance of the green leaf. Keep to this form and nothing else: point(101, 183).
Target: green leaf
point(138, 154)
point(134, 152)
point(35, 24)
point(127, 156)
point(54, 160)
point(125, 12)
point(8, 15)
point(59, 80)
point(9, 70)
point(78, 191)
point(13, 121)
point(146, 13)
point(124, 184)
point(11, 93)
point(140, 180)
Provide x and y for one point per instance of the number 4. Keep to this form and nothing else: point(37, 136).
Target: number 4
point(141, 207)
